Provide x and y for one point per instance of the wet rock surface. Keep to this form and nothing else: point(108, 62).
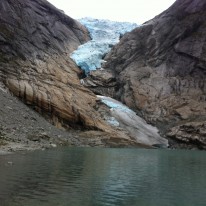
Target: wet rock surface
point(160, 69)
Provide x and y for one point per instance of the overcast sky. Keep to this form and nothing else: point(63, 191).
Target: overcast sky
point(137, 11)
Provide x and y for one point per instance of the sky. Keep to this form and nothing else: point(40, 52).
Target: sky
point(137, 11)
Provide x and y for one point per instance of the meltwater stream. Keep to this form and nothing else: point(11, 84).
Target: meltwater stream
point(103, 177)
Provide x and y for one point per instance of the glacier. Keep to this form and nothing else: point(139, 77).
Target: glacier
point(89, 56)
point(104, 35)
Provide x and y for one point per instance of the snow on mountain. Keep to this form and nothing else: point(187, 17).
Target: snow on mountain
point(104, 35)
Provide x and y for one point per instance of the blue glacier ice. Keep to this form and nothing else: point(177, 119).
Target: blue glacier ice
point(136, 127)
point(115, 104)
point(104, 34)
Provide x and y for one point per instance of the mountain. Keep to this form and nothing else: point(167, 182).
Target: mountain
point(159, 70)
point(36, 41)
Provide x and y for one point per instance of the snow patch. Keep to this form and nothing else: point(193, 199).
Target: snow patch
point(137, 127)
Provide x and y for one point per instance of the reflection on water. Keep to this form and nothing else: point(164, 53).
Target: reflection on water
point(87, 177)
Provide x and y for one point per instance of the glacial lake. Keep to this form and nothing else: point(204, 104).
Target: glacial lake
point(103, 177)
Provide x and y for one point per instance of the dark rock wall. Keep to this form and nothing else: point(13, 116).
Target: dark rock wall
point(36, 29)
point(160, 67)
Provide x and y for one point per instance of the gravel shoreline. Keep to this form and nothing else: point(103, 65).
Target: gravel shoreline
point(23, 129)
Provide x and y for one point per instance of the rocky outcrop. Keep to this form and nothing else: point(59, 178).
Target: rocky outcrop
point(191, 133)
point(100, 81)
point(160, 69)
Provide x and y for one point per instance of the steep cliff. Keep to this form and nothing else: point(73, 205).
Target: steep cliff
point(160, 71)
point(35, 42)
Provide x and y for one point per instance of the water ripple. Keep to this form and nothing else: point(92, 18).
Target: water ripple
point(104, 177)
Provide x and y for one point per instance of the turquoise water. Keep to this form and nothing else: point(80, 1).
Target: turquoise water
point(97, 177)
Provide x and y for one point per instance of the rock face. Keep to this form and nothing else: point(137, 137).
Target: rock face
point(160, 69)
point(36, 40)
point(191, 132)
point(100, 81)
